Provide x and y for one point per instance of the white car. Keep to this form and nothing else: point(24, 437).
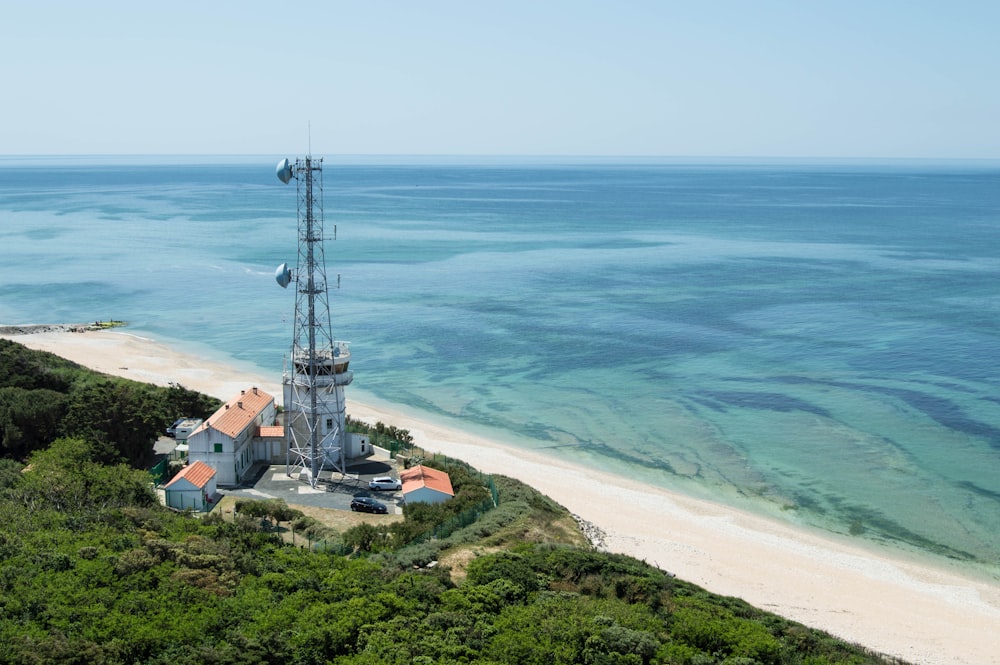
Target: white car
point(385, 483)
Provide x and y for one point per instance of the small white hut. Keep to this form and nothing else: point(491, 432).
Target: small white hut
point(423, 484)
point(193, 488)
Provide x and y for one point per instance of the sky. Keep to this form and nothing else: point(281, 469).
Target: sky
point(699, 78)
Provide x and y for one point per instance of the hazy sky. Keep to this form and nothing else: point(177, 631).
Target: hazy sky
point(831, 78)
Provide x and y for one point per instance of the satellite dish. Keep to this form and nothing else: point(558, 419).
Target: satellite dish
point(283, 276)
point(284, 171)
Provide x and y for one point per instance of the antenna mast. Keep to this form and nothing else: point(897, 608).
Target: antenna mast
point(316, 370)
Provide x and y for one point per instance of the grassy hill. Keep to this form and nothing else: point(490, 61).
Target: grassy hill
point(94, 570)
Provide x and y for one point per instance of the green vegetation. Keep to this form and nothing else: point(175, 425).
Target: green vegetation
point(107, 325)
point(43, 397)
point(94, 570)
point(390, 437)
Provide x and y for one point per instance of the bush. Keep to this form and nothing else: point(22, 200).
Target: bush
point(503, 566)
point(274, 509)
point(135, 561)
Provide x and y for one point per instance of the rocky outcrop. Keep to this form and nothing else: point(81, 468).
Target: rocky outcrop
point(31, 328)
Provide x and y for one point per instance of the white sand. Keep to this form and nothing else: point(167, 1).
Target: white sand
point(891, 604)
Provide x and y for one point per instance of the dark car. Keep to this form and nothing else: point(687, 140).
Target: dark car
point(366, 504)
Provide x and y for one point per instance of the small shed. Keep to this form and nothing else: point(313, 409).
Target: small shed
point(423, 484)
point(193, 488)
point(358, 445)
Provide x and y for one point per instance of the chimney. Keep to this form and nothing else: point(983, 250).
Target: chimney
point(227, 407)
point(255, 390)
point(239, 404)
point(243, 392)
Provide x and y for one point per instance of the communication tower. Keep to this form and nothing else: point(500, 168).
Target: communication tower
point(316, 368)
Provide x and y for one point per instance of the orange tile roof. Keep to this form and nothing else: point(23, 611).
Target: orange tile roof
point(422, 476)
point(198, 474)
point(271, 431)
point(234, 416)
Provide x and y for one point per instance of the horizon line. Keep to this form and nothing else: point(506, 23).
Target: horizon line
point(460, 159)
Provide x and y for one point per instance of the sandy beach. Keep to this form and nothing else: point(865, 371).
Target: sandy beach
point(891, 604)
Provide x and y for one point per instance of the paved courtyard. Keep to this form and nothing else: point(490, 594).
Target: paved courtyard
point(331, 491)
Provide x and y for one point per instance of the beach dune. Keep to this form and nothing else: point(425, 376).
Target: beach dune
point(889, 602)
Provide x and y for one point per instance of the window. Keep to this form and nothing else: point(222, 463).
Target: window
point(218, 447)
point(329, 424)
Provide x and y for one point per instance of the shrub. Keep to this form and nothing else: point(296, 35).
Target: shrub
point(134, 561)
point(503, 566)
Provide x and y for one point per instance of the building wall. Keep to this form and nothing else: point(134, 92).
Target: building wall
point(211, 490)
point(269, 450)
point(231, 457)
point(185, 496)
point(243, 452)
point(188, 499)
point(358, 446)
point(216, 450)
point(426, 495)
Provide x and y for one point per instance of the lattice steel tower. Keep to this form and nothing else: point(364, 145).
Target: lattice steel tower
point(316, 368)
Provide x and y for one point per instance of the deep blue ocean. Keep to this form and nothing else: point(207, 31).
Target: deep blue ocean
point(818, 342)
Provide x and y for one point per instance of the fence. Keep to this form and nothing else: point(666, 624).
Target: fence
point(388, 439)
point(159, 471)
point(443, 530)
point(453, 524)
point(321, 545)
point(467, 516)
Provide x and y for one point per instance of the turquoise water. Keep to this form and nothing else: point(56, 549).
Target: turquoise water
point(815, 341)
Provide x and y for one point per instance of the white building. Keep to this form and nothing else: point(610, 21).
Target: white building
point(423, 484)
point(243, 431)
point(192, 489)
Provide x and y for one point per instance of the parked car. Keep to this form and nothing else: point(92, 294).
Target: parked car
point(366, 504)
point(385, 483)
point(172, 430)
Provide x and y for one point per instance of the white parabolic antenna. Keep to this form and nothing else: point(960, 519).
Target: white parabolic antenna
point(284, 172)
point(283, 275)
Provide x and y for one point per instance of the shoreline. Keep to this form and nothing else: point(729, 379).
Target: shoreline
point(897, 605)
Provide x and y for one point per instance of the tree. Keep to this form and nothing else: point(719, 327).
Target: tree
point(29, 419)
point(179, 401)
point(509, 566)
point(119, 417)
point(365, 537)
point(66, 477)
point(24, 368)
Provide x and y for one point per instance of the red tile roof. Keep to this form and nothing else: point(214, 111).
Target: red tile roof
point(271, 432)
point(198, 474)
point(235, 415)
point(422, 476)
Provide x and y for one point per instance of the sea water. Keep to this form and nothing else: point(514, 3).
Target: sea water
point(817, 341)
